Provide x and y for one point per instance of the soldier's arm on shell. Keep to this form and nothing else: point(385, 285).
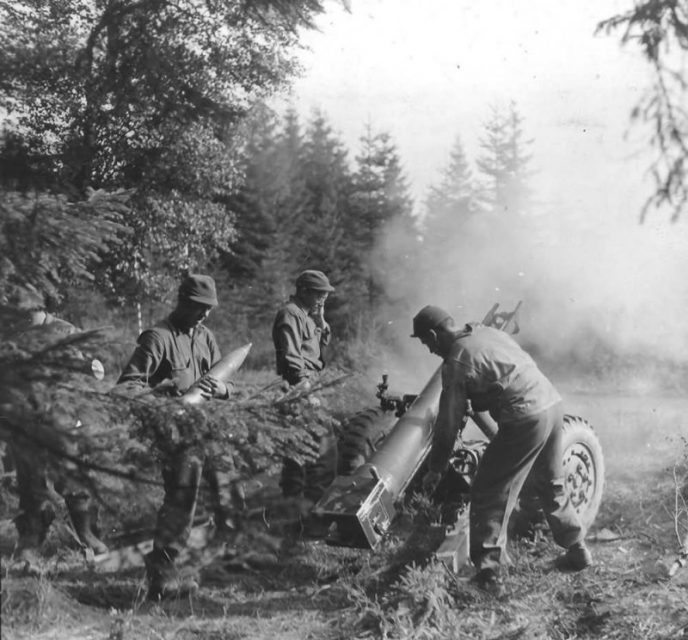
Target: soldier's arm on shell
point(452, 408)
point(144, 362)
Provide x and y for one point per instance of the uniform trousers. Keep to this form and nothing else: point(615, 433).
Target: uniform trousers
point(534, 445)
point(182, 473)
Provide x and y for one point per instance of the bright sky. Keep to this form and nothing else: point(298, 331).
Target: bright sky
point(428, 70)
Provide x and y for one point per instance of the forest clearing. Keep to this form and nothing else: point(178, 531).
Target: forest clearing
point(274, 584)
point(314, 172)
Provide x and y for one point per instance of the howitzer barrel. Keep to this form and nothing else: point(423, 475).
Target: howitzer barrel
point(223, 370)
point(363, 505)
point(407, 444)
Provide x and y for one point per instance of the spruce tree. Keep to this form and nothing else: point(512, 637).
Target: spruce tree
point(379, 199)
point(261, 263)
point(504, 162)
point(321, 242)
point(453, 202)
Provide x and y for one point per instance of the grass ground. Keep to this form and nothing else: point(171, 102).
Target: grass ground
point(276, 585)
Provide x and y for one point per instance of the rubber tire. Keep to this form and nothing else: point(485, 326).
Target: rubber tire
point(583, 475)
point(361, 436)
point(583, 468)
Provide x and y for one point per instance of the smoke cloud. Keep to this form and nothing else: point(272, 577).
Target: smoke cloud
point(586, 284)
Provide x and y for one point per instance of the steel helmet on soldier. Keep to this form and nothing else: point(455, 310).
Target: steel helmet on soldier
point(428, 319)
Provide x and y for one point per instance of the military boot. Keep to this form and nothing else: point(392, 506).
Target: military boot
point(84, 516)
point(576, 558)
point(489, 581)
point(27, 555)
point(164, 579)
point(32, 529)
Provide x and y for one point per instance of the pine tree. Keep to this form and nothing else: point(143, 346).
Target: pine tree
point(253, 205)
point(321, 241)
point(291, 207)
point(453, 202)
point(379, 197)
point(504, 162)
point(268, 208)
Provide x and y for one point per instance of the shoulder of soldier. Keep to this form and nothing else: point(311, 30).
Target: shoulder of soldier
point(484, 337)
point(52, 330)
point(205, 333)
point(58, 325)
point(469, 339)
point(39, 336)
point(287, 311)
point(158, 333)
point(469, 329)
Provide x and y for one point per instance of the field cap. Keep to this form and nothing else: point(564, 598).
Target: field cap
point(198, 288)
point(427, 319)
point(315, 280)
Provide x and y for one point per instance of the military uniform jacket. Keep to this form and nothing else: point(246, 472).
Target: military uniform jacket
point(489, 368)
point(165, 352)
point(298, 343)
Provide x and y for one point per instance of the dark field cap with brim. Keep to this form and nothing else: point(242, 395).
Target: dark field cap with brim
point(315, 280)
point(428, 319)
point(198, 288)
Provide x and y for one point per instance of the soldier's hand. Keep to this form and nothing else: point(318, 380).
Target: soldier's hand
point(430, 481)
point(303, 386)
point(318, 315)
point(211, 387)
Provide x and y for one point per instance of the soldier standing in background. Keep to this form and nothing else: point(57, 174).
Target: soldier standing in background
point(488, 368)
point(36, 508)
point(170, 357)
point(300, 334)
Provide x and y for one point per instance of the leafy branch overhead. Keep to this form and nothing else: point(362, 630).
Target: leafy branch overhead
point(50, 242)
point(146, 96)
point(660, 29)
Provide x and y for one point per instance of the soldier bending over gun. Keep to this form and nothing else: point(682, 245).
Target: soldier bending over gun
point(487, 367)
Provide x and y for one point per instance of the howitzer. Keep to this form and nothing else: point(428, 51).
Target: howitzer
point(223, 370)
point(362, 504)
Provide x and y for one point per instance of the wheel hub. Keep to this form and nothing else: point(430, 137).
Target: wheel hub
point(580, 476)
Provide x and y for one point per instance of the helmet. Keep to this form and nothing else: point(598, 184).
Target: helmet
point(428, 319)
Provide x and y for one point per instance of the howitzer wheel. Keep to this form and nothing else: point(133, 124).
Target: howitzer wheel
point(583, 468)
point(361, 435)
point(583, 477)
